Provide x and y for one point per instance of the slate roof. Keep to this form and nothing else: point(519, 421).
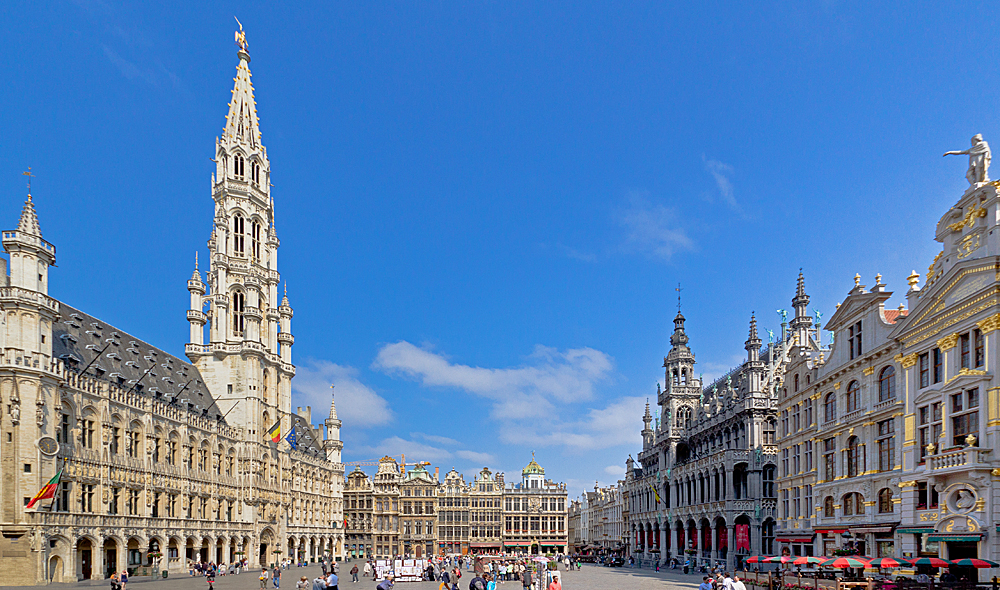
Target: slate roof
point(128, 362)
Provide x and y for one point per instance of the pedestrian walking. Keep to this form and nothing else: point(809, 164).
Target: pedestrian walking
point(263, 578)
point(124, 578)
point(354, 573)
point(276, 576)
point(210, 578)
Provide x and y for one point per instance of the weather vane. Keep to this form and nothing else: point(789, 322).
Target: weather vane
point(241, 37)
point(30, 176)
point(678, 289)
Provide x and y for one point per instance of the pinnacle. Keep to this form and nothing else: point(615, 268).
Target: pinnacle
point(242, 121)
point(753, 328)
point(333, 404)
point(800, 290)
point(29, 219)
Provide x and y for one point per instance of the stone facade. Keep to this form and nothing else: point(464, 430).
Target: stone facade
point(358, 515)
point(161, 460)
point(597, 520)
point(704, 484)
point(484, 516)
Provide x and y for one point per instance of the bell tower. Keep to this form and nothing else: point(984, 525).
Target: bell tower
point(245, 356)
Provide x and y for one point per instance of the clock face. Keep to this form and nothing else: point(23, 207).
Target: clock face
point(48, 445)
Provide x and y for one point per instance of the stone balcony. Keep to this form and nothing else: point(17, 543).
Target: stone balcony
point(959, 460)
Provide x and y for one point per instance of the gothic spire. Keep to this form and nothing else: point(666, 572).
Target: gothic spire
point(333, 404)
point(29, 219)
point(242, 122)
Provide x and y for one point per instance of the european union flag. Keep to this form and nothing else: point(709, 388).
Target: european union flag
point(291, 438)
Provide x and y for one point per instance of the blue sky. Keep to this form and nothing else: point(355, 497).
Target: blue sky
point(485, 207)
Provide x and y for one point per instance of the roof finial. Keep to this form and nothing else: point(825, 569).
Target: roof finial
point(30, 176)
point(241, 37)
point(678, 289)
point(196, 260)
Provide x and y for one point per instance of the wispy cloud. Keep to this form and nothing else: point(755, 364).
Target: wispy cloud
point(441, 440)
point(396, 446)
point(577, 254)
point(357, 404)
point(653, 228)
point(549, 382)
point(722, 173)
point(129, 69)
point(615, 470)
point(480, 458)
point(549, 376)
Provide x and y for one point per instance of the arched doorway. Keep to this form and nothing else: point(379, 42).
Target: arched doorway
point(110, 557)
point(85, 557)
point(534, 548)
point(55, 569)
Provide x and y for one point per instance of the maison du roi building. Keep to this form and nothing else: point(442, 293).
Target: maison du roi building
point(164, 460)
point(416, 514)
point(878, 442)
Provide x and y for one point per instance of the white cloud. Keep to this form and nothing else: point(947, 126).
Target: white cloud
point(441, 440)
point(722, 172)
point(396, 446)
point(615, 470)
point(616, 424)
point(551, 376)
point(653, 228)
point(357, 404)
point(479, 458)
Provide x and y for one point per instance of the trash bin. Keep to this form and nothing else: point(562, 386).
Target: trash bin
point(164, 574)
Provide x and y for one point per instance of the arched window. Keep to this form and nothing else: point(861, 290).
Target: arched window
point(887, 384)
point(769, 428)
point(855, 463)
point(239, 303)
point(830, 408)
point(854, 504)
point(769, 481)
point(266, 378)
point(885, 500)
point(828, 507)
point(796, 382)
point(853, 396)
point(239, 232)
point(255, 172)
point(238, 166)
point(255, 241)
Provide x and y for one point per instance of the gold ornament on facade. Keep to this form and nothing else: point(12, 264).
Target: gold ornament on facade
point(970, 218)
point(931, 448)
point(971, 440)
point(948, 342)
point(989, 324)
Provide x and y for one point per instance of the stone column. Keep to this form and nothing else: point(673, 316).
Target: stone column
point(701, 539)
point(678, 549)
point(663, 543)
point(731, 548)
point(715, 544)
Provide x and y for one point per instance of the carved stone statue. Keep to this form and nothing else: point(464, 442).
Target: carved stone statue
point(15, 413)
point(965, 499)
point(979, 160)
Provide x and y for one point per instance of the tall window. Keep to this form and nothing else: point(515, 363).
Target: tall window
point(809, 412)
point(87, 436)
point(854, 462)
point(965, 351)
point(796, 382)
point(238, 166)
point(796, 423)
point(926, 498)
point(924, 370)
point(784, 462)
point(87, 498)
point(239, 235)
point(885, 500)
point(809, 455)
point(887, 384)
point(938, 359)
point(830, 408)
point(255, 240)
point(853, 397)
point(767, 536)
point(979, 345)
point(239, 306)
point(784, 423)
point(796, 502)
point(255, 172)
point(965, 416)
point(784, 504)
point(63, 435)
point(115, 499)
point(886, 444)
point(828, 507)
point(854, 340)
point(929, 420)
point(808, 492)
point(830, 459)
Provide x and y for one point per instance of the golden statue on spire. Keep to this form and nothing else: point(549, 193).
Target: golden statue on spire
point(241, 37)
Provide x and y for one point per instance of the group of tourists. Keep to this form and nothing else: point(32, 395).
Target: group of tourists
point(722, 581)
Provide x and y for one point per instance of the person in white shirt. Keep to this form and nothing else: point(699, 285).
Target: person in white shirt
point(738, 584)
point(727, 581)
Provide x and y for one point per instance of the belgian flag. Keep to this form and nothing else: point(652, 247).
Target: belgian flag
point(48, 491)
point(275, 432)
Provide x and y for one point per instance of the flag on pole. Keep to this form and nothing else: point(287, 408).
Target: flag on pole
point(47, 491)
point(291, 438)
point(655, 493)
point(275, 432)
